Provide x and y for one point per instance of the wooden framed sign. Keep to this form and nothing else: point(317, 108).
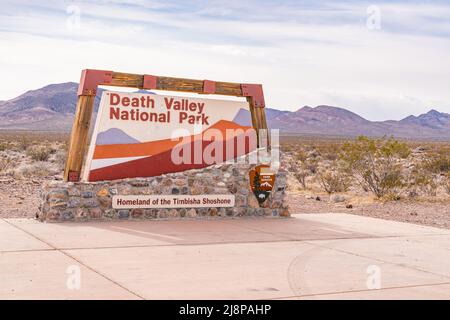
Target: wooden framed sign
point(143, 134)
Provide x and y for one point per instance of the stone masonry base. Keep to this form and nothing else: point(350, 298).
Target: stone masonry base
point(67, 201)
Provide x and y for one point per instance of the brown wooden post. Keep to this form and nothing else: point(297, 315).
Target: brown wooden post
point(255, 98)
point(78, 138)
point(87, 89)
point(261, 125)
point(253, 115)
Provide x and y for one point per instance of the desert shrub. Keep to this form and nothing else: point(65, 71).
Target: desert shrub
point(308, 161)
point(39, 153)
point(423, 181)
point(64, 145)
point(6, 163)
point(23, 143)
point(430, 189)
point(400, 149)
point(38, 169)
point(312, 165)
point(52, 149)
point(4, 145)
point(287, 147)
point(330, 151)
point(60, 157)
point(332, 181)
point(305, 166)
point(300, 155)
point(446, 183)
point(437, 162)
point(301, 176)
point(375, 163)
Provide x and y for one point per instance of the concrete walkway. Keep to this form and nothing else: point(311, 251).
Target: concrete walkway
point(311, 256)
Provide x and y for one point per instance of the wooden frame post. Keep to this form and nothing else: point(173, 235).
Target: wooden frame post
point(91, 79)
point(78, 138)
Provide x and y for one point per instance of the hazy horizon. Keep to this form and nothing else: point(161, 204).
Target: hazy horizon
point(383, 60)
point(227, 98)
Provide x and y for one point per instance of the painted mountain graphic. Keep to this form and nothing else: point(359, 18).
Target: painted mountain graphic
point(154, 158)
point(153, 147)
point(114, 136)
point(243, 118)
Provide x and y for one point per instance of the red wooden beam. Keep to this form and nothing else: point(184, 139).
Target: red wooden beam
point(209, 87)
point(254, 91)
point(90, 79)
point(150, 82)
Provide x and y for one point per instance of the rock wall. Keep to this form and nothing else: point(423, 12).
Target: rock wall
point(68, 201)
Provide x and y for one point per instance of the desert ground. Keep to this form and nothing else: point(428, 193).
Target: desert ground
point(386, 178)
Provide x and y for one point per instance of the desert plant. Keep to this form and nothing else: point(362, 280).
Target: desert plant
point(38, 152)
point(422, 180)
point(330, 151)
point(38, 169)
point(300, 155)
point(437, 162)
point(312, 165)
point(306, 166)
point(446, 183)
point(60, 158)
point(4, 145)
point(64, 145)
point(332, 181)
point(374, 163)
point(430, 189)
point(301, 176)
point(6, 163)
point(23, 143)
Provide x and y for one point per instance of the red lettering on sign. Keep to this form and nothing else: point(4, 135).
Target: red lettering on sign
point(114, 99)
point(114, 113)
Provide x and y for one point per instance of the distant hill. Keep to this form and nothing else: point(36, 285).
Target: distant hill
point(114, 136)
point(49, 108)
point(52, 108)
point(328, 120)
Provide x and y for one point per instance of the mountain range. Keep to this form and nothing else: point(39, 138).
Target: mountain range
point(52, 108)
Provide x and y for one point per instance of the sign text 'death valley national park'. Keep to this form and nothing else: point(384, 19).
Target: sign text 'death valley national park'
point(143, 135)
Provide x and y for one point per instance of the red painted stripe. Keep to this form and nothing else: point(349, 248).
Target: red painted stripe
point(162, 163)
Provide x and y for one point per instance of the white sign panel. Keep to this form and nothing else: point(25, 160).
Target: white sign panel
point(173, 201)
point(137, 134)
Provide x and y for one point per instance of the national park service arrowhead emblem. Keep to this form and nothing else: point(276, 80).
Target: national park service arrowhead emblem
point(262, 180)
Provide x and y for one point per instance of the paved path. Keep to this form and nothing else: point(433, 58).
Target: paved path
point(309, 256)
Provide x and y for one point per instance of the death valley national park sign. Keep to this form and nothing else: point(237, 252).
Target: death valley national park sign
point(143, 135)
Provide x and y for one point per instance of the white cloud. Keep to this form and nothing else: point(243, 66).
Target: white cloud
point(304, 54)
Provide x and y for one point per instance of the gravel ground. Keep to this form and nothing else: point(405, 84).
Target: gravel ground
point(435, 214)
point(20, 198)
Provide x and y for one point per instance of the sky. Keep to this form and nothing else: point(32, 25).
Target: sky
point(382, 60)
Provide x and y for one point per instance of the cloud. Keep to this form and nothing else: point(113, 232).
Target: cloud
point(303, 52)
